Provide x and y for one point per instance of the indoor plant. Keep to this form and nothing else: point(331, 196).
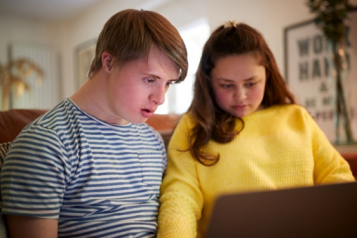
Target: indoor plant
point(331, 18)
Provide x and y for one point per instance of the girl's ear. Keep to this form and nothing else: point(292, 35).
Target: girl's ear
point(107, 61)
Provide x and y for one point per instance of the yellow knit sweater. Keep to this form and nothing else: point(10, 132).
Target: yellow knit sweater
point(279, 147)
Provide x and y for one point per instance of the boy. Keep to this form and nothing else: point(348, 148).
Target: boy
point(91, 167)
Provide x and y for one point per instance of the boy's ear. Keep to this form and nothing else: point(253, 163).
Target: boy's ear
point(107, 61)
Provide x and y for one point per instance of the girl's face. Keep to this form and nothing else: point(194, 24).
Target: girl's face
point(238, 83)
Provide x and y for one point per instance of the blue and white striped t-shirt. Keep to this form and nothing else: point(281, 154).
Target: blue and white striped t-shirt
point(97, 179)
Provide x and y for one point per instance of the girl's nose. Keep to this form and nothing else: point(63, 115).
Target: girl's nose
point(240, 93)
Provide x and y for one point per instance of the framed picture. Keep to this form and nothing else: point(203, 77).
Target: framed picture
point(84, 55)
point(309, 76)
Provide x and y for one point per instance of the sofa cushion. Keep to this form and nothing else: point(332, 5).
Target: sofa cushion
point(4, 147)
point(12, 121)
point(164, 124)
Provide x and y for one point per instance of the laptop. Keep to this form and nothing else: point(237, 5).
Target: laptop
point(318, 211)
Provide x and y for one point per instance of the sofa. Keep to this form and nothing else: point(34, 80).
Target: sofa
point(12, 122)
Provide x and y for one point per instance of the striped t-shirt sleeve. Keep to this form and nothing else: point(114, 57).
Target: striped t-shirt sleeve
point(38, 162)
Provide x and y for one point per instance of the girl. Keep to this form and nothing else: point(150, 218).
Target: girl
point(243, 132)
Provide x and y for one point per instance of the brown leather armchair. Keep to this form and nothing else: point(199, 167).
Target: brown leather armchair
point(13, 121)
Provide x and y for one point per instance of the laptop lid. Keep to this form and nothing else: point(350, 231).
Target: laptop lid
point(318, 211)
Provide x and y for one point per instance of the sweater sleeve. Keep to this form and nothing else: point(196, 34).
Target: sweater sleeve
point(330, 166)
point(181, 198)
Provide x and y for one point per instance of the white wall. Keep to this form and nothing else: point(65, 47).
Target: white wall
point(269, 16)
point(22, 30)
point(88, 26)
point(17, 31)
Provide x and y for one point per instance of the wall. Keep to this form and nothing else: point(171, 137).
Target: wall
point(17, 31)
point(88, 26)
point(22, 30)
point(270, 17)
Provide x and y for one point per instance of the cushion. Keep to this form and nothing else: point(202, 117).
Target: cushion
point(12, 121)
point(164, 124)
point(4, 147)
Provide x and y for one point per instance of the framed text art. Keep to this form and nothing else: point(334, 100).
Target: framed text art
point(309, 76)
point(84, 54)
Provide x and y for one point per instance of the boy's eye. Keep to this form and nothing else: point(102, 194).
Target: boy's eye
point(168, 83)
point(150, 80)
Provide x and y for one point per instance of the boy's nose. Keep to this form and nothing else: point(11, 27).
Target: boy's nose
point(158, 96)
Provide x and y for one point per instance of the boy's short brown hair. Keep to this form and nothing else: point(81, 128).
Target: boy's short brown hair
point(129, 35)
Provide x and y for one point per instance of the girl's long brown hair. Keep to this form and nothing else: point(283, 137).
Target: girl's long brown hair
point(212, 122)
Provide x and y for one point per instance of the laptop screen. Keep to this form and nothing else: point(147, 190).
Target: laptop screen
point(317, 211)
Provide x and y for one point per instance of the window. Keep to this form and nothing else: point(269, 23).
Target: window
point(179, 96)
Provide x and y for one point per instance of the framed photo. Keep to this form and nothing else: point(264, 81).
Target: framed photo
point(309, 76)
point(84, 55)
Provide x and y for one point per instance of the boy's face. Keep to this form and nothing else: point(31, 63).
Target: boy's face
point(137, 88)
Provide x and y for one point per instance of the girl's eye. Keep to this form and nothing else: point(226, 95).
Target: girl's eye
point(150, 80)
point(250, 84)
point(226, 85)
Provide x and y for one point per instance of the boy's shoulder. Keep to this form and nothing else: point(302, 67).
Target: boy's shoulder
point(146, 129)
point(58, 114)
